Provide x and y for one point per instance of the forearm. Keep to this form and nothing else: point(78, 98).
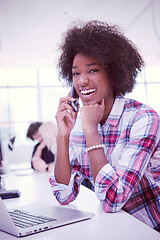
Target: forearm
point(96, 157)
point(62, 170)
point(38, 152)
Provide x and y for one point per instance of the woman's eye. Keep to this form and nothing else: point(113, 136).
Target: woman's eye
point(75, 74)
point(93, 70)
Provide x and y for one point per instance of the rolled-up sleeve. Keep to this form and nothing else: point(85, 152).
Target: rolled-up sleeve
point(64, 193)
point(115, 184)
point(68, 193)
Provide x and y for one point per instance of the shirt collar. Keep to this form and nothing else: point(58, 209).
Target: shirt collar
point(116, 111)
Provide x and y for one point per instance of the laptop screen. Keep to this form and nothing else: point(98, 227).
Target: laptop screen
point(1, 157)
point(1, 153)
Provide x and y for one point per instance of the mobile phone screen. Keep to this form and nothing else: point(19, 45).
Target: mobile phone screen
point(74, 93)
point(75, 103)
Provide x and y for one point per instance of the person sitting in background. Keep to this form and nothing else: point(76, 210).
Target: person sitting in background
point(43, 155)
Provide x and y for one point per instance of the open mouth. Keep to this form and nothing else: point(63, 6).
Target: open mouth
point(87, 92)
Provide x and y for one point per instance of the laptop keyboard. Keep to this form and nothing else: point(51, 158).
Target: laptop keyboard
point(25, 219)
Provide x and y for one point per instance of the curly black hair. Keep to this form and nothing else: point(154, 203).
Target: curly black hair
point(107, 43)
point(32, 129)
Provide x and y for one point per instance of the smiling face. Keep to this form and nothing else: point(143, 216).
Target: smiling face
point(91, 80)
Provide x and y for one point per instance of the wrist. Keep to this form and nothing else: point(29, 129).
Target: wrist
point(62, 138)
point(63, 135)
point(94, 147)
point(91, 130)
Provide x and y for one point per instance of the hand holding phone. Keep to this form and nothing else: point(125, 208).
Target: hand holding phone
point(74, 103)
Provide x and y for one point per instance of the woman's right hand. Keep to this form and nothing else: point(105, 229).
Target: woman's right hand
point(39, 164)
point(65, 116)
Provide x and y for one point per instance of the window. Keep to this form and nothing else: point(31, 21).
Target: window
point(27, 95)
point(148, 87)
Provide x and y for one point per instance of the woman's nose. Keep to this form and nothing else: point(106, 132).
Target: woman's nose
point(83, 79)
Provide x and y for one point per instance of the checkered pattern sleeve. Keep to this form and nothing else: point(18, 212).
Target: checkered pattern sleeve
point(67, 193)
point(115, 183)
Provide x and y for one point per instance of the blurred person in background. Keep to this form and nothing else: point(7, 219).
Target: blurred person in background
point(43, 155)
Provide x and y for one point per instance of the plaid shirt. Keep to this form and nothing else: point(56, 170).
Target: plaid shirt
point(131, 179)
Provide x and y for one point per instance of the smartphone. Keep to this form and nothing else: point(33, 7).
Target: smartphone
point(75, 103)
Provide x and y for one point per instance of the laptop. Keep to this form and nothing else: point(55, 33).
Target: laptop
point(36, 218)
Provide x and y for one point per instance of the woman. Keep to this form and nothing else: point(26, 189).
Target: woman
point(112, 141)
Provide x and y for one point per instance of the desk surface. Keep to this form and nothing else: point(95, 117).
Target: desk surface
point(35, 188)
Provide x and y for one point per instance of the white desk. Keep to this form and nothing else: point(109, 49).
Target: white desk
point(104, 226)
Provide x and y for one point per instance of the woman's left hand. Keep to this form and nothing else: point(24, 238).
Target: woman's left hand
point(92, 115)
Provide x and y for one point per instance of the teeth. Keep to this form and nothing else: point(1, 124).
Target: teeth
point(88, 91)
